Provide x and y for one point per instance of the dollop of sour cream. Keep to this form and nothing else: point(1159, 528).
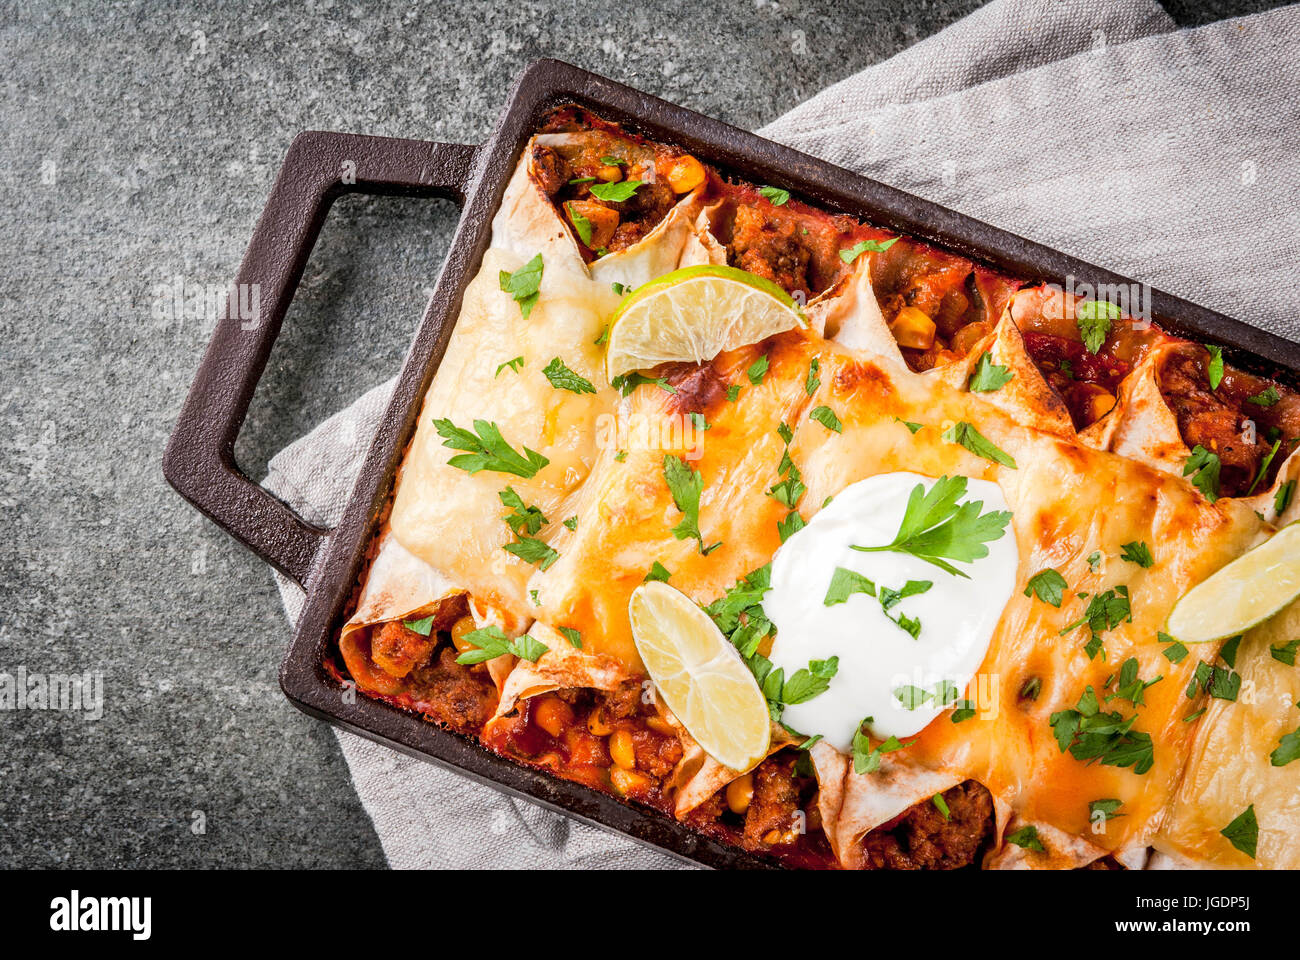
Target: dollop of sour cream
point(876, 655)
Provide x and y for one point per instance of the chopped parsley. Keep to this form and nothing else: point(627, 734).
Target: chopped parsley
point(532, 550)
point(1103, 810)
point(757, 370)
point(1176, 652)
point(1264, 465)
point(943, 694)
point(523, 284)
point(423, 626)
point(845, 583)
point(811, 384)
point(562, 378)
point(657, 572)
point(1094, 318)
point(1205, 466)
point(1089, 733)
point(776, 195)
point(1214, 369)
point(866, 758)
point(522, 518)
point(686, 485)
point(1130, 686)
point(625, 383)
point(1138, 552)
point(1027, 838)
point(1105, 611)
point(572, 522)
point(963, 433)
point(937, 529)
point(514, 365)
point(1285, 653)
point(572, 635)
point(1243, 832)
point(1266, 397)
point(733, 391)
point(826, 417)
point(581, 225)
point(615, 192)
point(1048, 585)
point(1282, 499)
point(488, 450)
point(492, 642)
point(941, 805)
point(873, 246)
point(988, 376)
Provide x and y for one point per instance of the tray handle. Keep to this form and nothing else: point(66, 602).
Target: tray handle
point(199, 462)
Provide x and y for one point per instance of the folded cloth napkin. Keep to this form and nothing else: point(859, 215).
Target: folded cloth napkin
point(1169, 156)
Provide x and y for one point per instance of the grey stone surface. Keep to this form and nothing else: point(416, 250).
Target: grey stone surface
point(137, 144)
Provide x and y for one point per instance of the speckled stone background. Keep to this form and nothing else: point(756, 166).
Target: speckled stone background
point(137, 144)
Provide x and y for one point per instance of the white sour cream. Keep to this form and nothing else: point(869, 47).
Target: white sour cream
point(876, 655)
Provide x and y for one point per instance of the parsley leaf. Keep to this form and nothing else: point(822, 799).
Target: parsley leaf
point(810, 681)
point(1266, 397)
point(1089, 733)
point(813, 381)
point(1138, 552)
point(988, 376)
point(572, 635)
point(1094, 321)
point(686, 485)
point(1214, 369)
point(1285, 653)
point(581, 225)
point(625, 383)
point(845, 583)
point(1243, 832)
point(492, 642)
point(1282, 499)
point(1206, 466)
point(1263, 466)
point(562, 378)
point(866, 758)
point(826, 417)
point(874, 246)
point(963, 433)
point(936, 528)
point(776, 195)
point(532, 550)
point(1105, 611)
point(1049, 585)
point(1027, 838)
point(757, 370)
point(523, 284)
point(1176, 652)
point(615, 192)
point(488, 450)
point(657, 572)
point(522, 519)
point(514, 365)
point(423, 626)
point(1103, 810)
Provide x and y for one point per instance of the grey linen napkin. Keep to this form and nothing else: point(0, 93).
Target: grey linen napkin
point(1170, 156)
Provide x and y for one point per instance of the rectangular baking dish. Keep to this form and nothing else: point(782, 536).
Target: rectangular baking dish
point(320, 167)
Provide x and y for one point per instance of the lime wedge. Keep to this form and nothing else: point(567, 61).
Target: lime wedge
point(1243, 594)
point(700, 676)
point(693, 314)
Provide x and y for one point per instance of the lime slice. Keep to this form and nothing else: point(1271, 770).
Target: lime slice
point(700, 676)
point(693, 314)
point(1243, 594)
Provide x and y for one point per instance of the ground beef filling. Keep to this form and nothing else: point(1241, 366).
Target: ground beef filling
point(458, 696)
point(1225, 423)
point(922, 838)
point(605, 226)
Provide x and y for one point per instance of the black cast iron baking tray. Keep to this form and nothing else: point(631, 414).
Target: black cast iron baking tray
point(319, 168)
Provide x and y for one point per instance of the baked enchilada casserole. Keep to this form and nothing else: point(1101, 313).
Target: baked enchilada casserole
point(836, 546)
